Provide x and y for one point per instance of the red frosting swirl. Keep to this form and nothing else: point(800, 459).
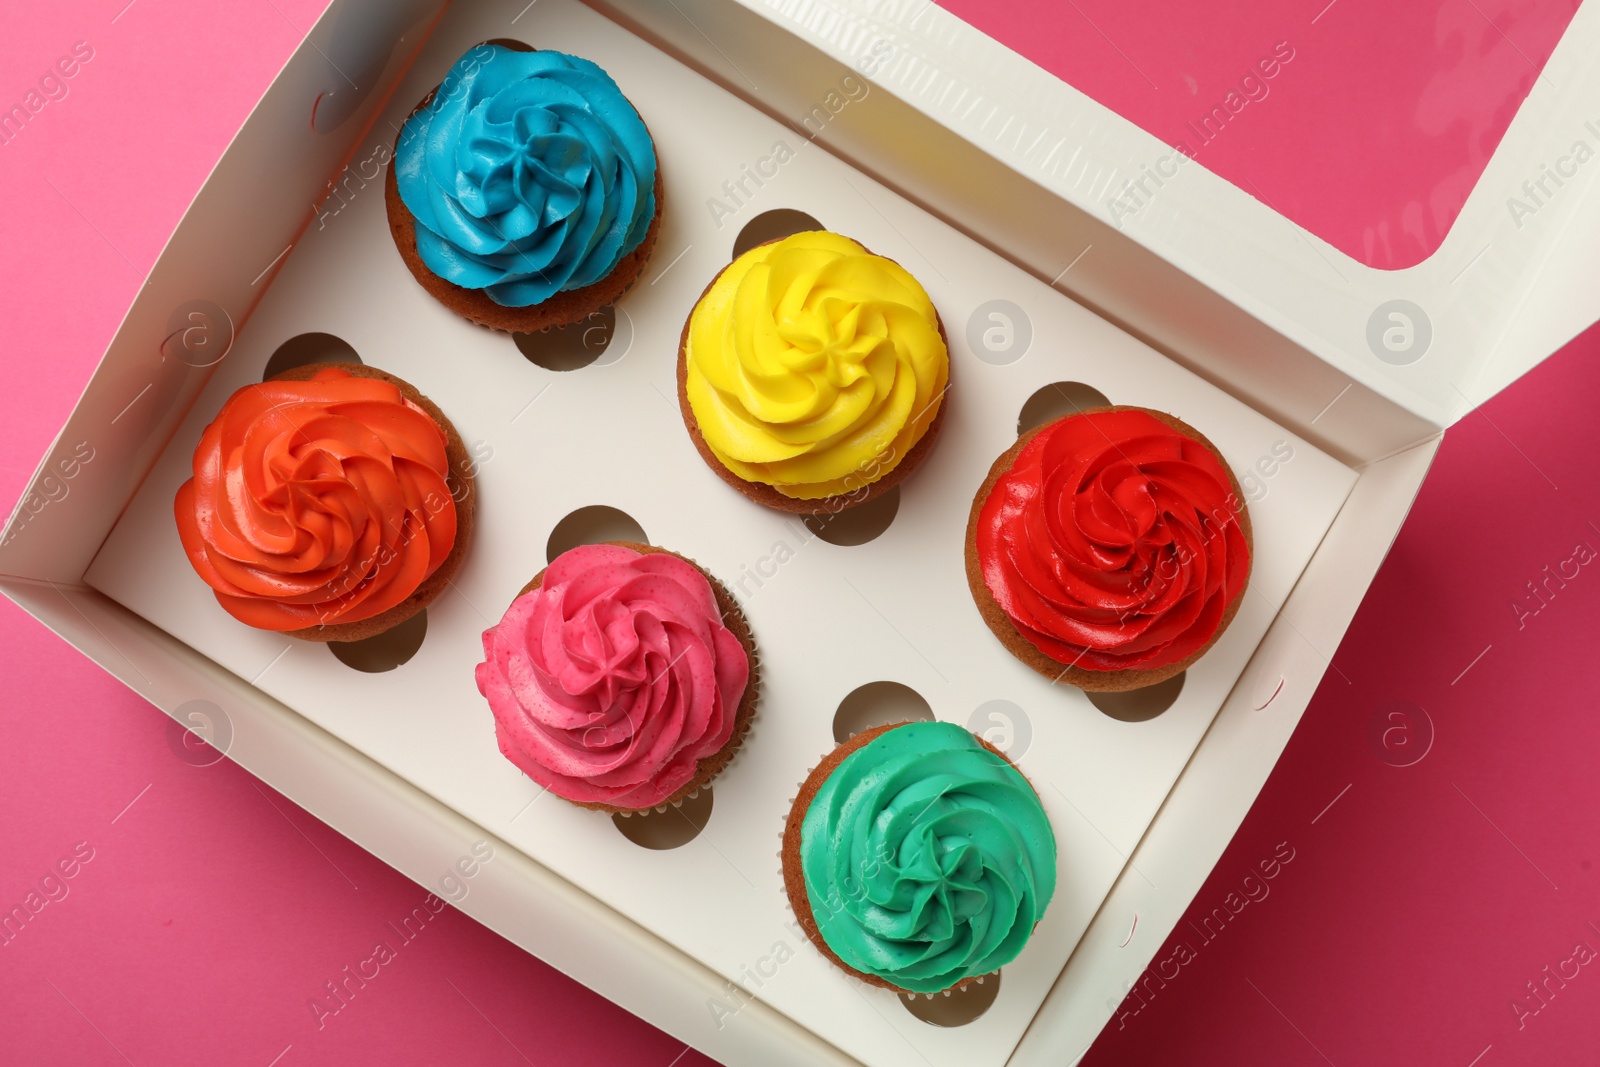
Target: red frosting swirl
point(317, 502)
point(1114, 542)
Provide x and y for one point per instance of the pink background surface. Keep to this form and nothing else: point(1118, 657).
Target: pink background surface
point(1420, 899)
point(1370, 135)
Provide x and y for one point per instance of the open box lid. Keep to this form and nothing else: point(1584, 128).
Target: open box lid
point(1504, 290)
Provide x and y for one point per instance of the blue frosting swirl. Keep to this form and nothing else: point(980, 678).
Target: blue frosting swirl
point(528, 174)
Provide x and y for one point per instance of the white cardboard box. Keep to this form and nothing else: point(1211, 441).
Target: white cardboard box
point(1201, 276)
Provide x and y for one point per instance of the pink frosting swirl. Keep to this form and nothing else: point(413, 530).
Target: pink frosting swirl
point(614, 678)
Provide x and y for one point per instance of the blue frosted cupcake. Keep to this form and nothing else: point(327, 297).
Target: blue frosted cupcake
point(524, 192)
point(917, 858)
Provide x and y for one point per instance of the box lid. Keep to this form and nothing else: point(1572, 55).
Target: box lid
point(1504, 289)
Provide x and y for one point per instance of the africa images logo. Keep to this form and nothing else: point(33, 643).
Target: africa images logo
point(51, 87)
point(1253, 87)
point(1553, 176)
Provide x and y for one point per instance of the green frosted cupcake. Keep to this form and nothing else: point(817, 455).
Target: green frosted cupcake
point(917, 858)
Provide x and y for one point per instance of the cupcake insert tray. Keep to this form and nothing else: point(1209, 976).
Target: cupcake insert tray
point(829, 618)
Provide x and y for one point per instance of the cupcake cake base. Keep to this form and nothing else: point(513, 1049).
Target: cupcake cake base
point(733, 618)
point(1019, 646)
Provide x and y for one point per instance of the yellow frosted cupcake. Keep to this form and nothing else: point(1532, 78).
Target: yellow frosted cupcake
point(813, 374)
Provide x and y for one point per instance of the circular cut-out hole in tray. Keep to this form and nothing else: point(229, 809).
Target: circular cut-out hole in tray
point(1140, 705)
point(593, 525)
point(306, 348)
point(878, 704)
point(597, 341)
point(1057, 399)
point(956, 1007)
point(773, 226)
point(857, 525)
point(671, 827)
point(387, 650)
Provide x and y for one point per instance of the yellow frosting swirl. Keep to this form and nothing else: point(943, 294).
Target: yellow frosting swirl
point(814, 366)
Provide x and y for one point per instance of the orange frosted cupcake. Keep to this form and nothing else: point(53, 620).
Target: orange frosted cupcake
point(330, 503)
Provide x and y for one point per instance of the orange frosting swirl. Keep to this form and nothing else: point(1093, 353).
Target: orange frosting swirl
point(317, 502)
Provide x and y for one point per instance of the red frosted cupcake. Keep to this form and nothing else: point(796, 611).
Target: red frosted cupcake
point(331, 503)
point(1109, 549)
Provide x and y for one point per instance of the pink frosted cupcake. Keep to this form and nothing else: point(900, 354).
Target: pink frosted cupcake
point(622, 678)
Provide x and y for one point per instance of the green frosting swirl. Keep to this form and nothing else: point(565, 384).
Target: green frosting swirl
point(927, 858)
